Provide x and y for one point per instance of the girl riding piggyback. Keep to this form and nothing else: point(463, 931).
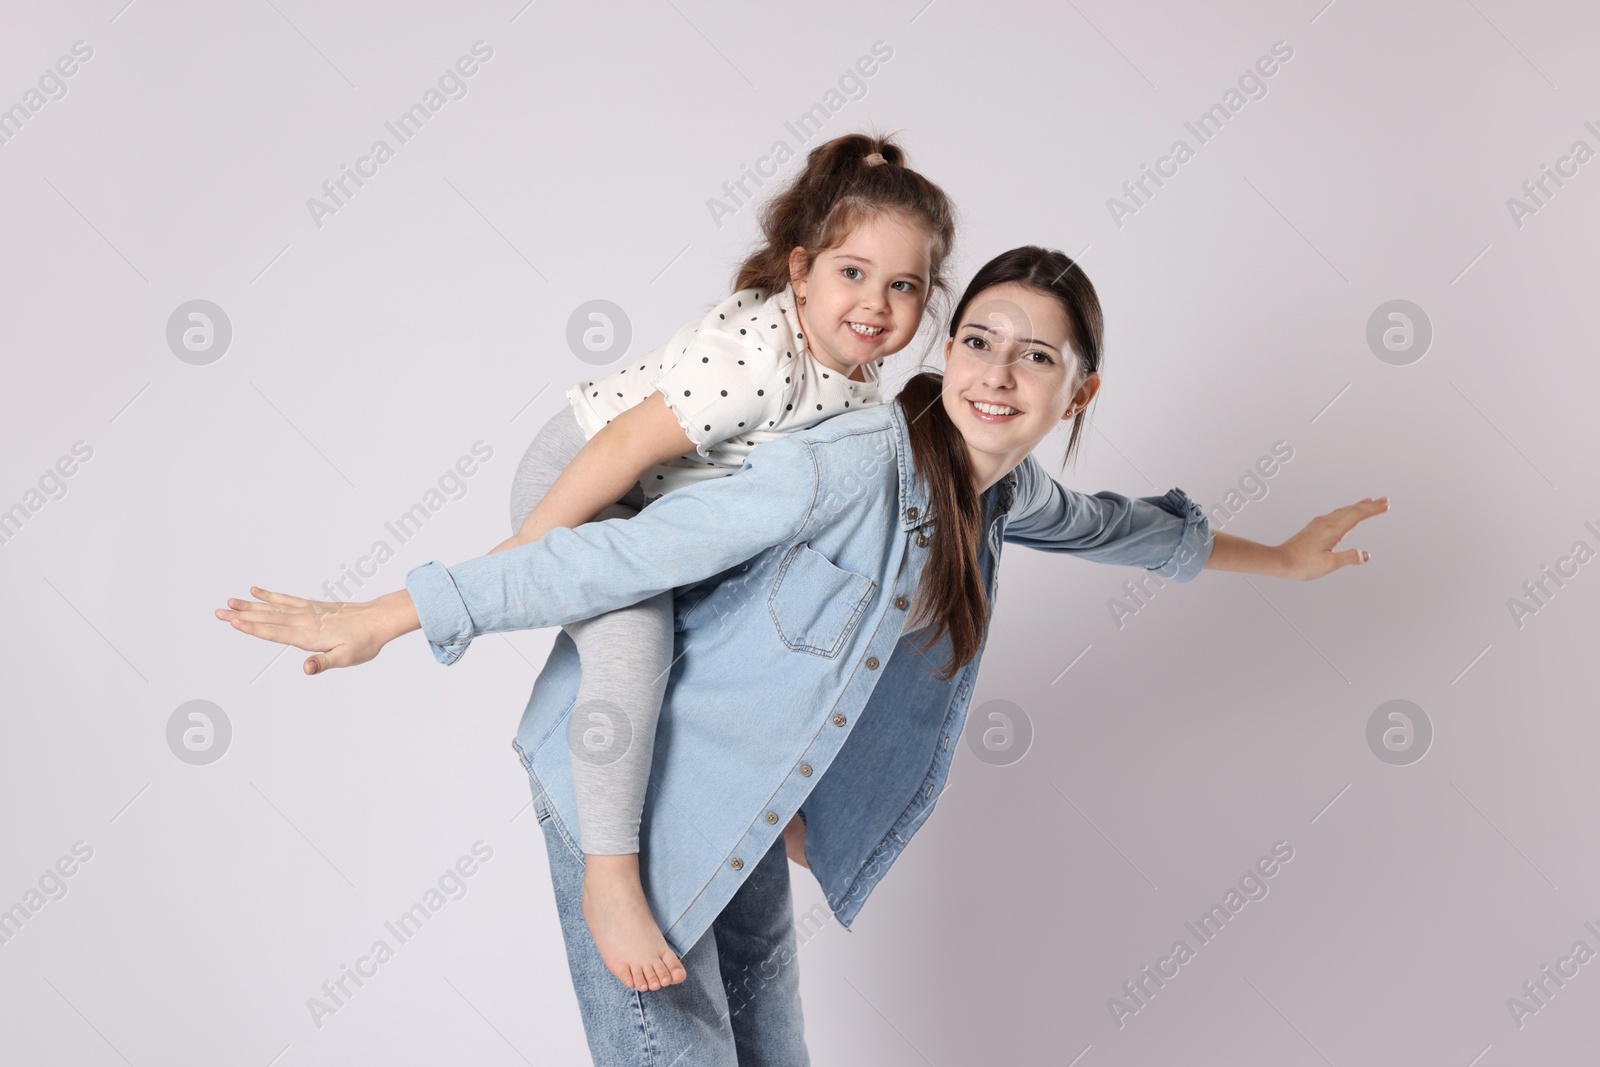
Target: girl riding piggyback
point(853, 247)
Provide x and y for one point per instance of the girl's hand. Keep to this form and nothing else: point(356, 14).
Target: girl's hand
point(1310, 553)
point(343, 635)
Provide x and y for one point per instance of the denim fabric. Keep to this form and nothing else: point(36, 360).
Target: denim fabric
point(788, 576)
point(739, 1005)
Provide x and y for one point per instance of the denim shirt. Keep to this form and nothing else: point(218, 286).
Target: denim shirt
point(793, 681)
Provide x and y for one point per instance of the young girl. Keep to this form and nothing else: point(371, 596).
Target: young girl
point(864, 240)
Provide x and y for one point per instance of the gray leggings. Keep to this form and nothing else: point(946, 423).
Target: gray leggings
point(626, 654)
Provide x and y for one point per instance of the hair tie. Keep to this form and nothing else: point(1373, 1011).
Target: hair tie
point(874, 159)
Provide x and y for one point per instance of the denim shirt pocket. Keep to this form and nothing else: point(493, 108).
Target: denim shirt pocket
point(816, 605)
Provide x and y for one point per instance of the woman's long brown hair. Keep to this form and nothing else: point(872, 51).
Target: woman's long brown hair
point(950, 595)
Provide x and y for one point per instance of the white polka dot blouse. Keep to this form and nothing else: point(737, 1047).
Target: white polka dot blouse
point(735, 378)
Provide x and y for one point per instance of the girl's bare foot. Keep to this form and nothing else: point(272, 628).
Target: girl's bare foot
point(630, 942)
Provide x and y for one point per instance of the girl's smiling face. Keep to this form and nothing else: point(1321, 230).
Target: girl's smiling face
point(1011, 376)
point(863, 299)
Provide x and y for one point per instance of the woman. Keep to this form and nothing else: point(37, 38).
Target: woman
point(805, 675)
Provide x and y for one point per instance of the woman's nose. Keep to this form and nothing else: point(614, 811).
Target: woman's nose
point(997, 368)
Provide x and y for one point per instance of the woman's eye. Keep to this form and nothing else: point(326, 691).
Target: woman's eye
point(847, 273)
point(970, 341)
point(1046, 355)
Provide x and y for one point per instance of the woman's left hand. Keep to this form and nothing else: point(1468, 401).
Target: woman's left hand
point(1311, 552)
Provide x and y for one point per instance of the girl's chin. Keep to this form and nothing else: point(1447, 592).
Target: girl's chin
point(853, 365)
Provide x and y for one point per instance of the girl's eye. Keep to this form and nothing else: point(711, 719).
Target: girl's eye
point(847, 273)
point(910, 287)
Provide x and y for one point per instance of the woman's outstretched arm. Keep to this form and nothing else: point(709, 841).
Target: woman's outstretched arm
point(1311, 553)
point(569, 574)
point(1169, 535)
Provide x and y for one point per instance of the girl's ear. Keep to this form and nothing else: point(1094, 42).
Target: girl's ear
point(799, 269)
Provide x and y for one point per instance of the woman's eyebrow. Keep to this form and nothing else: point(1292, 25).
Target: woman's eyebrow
point(1020, 340)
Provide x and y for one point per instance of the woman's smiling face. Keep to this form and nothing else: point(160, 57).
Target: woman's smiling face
point(1011, 376)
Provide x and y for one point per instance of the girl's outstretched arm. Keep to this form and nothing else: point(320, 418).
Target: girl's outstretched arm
point(603, 470)
point(1311, 553)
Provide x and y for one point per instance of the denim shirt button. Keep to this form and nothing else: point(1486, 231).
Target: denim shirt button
point(901, 602)
point(839, 720)
point(922, 541)
point(736, 863)
point(911, 513)
point(805, 770)
point(772, 817)
point(872, 663)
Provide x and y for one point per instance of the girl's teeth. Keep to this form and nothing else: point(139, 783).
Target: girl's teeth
point(991, 409)
point(870, 331)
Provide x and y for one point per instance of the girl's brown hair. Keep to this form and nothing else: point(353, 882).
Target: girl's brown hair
point(837, 191)
point(950, 594)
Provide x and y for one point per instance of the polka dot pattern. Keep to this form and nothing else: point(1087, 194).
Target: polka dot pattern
point(721, 381)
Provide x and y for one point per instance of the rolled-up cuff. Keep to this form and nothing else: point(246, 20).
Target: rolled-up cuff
point(1194, 547)
point(441, 610)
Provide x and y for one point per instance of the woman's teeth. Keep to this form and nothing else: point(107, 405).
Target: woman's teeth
point(994, 409)
point(865, 331)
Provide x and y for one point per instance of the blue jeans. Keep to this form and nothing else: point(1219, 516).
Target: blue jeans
point(739, 1006)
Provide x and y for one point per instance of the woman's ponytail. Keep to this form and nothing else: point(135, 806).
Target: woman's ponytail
point(950, 594)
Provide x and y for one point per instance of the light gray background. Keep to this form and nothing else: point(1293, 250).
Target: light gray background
point(430, 313)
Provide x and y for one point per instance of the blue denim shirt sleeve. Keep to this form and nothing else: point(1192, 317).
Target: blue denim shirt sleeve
point(1167, 534)
point(575, 573)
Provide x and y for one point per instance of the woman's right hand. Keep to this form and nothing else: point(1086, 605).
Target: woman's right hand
point(341, 635)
